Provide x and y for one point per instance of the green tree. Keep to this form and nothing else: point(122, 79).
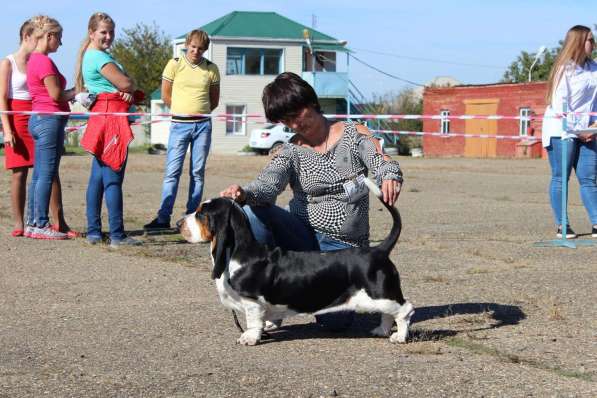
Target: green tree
point(405, 102)
point(143, 51)
point(518, 71)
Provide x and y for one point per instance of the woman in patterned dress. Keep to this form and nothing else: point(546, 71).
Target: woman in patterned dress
point(324, 164)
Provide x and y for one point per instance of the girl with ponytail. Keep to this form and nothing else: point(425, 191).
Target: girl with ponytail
point(106, 137)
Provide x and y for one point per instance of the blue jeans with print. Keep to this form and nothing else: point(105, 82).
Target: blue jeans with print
point(198, 136)
point(275, 226)
point(582, 156)
point(104, 181)
point(48, 133)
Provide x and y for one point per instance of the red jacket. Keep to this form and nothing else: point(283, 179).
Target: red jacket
point(108, 137)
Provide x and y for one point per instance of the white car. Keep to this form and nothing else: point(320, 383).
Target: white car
point(270, 137)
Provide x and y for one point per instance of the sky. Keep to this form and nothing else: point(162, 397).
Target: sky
point(471, 41)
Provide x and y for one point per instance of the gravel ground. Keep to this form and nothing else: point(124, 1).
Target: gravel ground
point(496, 316)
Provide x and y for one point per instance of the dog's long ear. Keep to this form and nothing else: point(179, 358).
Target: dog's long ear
point(240, 225)
point(224, 240)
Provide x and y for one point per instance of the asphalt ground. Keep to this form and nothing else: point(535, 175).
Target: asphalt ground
point(496, 316)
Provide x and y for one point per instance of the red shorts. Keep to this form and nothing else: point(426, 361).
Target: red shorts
point(22, 153)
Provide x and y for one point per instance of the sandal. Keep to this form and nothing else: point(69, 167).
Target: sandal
point(17, 233)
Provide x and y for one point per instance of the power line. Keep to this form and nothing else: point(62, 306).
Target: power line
point(439, 61)
point(386, 73)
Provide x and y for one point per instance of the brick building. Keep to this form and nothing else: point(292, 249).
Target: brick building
point(507, 99)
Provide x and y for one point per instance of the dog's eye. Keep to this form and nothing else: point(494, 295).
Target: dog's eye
point(202, 218)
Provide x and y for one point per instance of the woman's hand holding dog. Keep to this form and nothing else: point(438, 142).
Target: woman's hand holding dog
point(235, 192)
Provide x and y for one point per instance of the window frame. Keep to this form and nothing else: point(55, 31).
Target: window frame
point(524, 123)
point(444, 122)
point(236, 120)
point(262, 51)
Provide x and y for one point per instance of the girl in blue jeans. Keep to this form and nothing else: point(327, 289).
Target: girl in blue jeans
point(106, 137)
point(47, 88)
point(572, 87)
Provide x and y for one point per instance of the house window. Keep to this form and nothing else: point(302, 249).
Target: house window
point(525, 122)
point(253, 61)
point(444, 122)
point(235, 119)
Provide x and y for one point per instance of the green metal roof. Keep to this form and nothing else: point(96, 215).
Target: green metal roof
point(264, 25)
point(330, 47)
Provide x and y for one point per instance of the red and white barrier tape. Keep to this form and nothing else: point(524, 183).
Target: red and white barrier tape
point(450, 135)
point(72, 129)
point(330, 116)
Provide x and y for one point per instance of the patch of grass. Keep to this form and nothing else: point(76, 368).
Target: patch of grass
point(139, 148)
point(505, 357)
point(572, 374)
point(434, 278)
point(555, 313)
point(503, 199)
point(475, 271)
point(423, 349)
point(417, 335)
point(74, 150)
point(485, 317)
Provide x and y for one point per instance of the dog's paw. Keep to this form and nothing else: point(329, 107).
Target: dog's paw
point(250, 337)
point(399, 337)
point(381, 331)
point(272, 325)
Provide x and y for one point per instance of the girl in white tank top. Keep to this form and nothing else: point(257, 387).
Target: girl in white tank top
point(18, 82)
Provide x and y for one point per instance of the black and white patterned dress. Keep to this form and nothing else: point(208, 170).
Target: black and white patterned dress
point(319, 183)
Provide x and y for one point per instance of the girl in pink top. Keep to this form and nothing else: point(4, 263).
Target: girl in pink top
point(47, 88)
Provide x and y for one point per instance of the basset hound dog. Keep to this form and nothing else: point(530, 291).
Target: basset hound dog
point(269, 284)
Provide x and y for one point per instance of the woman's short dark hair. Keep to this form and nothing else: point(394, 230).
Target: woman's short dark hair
point(287, 96)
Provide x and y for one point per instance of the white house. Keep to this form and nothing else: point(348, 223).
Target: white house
point(250, 49)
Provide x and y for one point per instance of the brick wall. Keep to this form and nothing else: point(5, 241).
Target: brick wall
point(511, 98)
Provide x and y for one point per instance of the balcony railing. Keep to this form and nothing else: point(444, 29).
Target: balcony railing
point(328, 84)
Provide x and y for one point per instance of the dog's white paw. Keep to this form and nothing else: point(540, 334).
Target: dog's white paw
point(381, 331)
point(398, 338)
point(250, 337)
point(272, 325)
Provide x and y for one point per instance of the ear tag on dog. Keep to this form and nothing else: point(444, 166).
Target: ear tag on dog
point(355, 189)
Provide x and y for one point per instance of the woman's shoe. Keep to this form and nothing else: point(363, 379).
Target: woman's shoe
point(127, 241)
point(47, 233)
point(16, 233)
point(28, 231)
point(94, 239)
point(72, 234)
point(569, 233)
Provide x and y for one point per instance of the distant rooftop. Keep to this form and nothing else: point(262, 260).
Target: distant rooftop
point(266, 25)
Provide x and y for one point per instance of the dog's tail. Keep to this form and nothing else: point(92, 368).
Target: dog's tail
point(388, 244)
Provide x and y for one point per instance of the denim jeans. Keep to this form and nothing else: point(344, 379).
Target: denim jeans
point(104, 181)
point(48, 133)
point(275, 226)
point(582, 156)
point(198, 135)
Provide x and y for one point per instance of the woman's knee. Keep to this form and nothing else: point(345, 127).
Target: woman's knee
point(587, 179)
point(259, 227)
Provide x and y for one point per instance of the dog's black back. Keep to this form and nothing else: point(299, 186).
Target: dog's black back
point(304, 281)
